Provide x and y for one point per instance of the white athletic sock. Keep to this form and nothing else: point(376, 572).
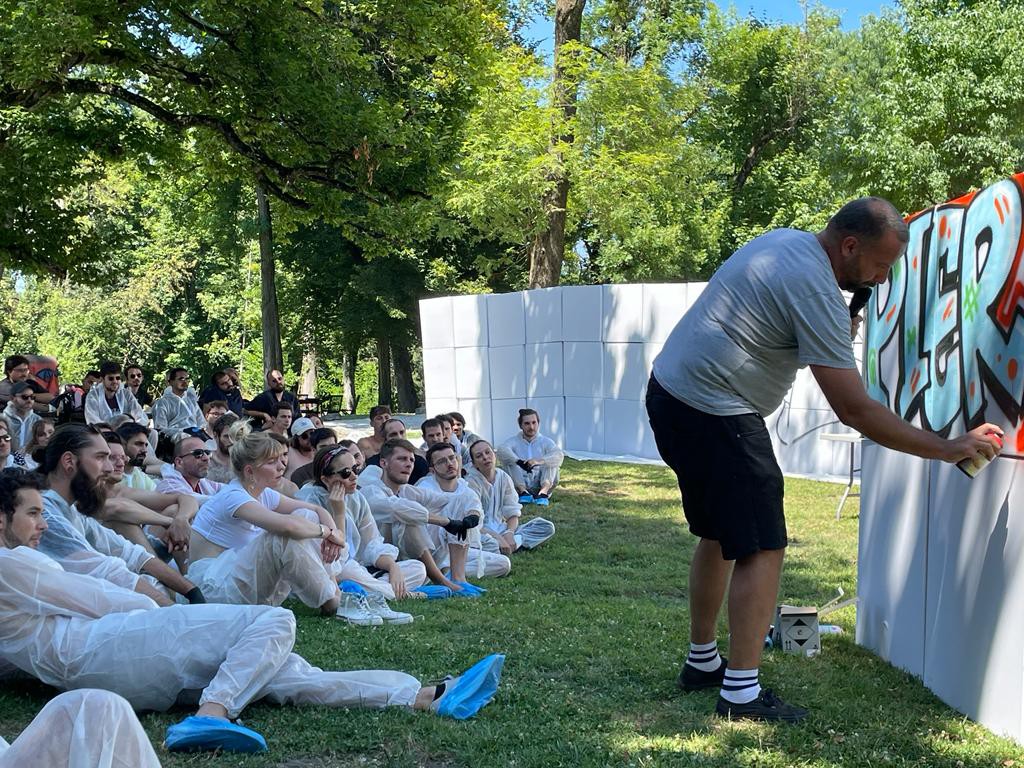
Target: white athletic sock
point(704, 656)
point(740, 686)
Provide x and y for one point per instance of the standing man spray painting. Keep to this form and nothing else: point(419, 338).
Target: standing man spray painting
point(774, 306)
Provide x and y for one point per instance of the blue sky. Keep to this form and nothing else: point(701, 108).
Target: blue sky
point(787, 11)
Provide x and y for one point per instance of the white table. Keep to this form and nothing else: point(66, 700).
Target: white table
point(851, 438)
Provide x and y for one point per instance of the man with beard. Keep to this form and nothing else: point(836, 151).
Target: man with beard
point(224, 388)
point(177, 409)
point(371, 444)
point(189, 472)
point(260, 406)
point(220, 460)
point(104, 402)
point(136, 447)
point(76, 463)
point(394, 429)
point(404, 512)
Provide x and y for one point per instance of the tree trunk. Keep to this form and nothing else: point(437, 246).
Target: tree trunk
point(348, 381)
point(273, 359)
point(383, 372)
point(307, 384)
point(548, 248)
point(407, 397)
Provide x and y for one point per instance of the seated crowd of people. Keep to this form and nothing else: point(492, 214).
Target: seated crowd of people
point(125, 518)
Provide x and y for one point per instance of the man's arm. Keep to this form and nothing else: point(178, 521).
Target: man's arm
point(845, 392)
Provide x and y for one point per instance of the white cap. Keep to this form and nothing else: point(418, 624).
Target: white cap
point(302, 426)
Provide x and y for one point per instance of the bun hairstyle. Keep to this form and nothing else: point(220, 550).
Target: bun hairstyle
point(524, 412)
point(252, 448)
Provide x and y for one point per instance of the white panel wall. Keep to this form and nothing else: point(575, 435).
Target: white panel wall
point(582, 356)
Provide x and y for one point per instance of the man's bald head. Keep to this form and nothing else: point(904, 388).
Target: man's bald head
point(868, 218)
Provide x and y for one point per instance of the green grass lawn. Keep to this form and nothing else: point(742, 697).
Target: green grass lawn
point(594, 625)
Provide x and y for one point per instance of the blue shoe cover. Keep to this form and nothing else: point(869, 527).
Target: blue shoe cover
point(541, 501)
point(352, 588)
point(434, 591)
point(201, 734)
point(469, 590)
point(473, 689)
point(526, 498)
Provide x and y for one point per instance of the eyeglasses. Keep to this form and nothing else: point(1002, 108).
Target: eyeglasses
point(198, 453)
point(344, 473)
point(24, 397)
point(5, 438)
point(113, 376)
point(446, 460)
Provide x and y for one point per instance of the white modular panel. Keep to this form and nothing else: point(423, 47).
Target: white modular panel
point(544, 370)
point(796, 437)
point(892, 561)
point(583, 363)
point(543, 308)
point(506, 319)
point(805, 392)
point(478, 417)
point(581, 312)
point(625, 371)
point(584, 424)
point(505, 418)
point(623, 313)
point(508, 371)
point(439, 373)
point(974, 660)
point(469, 319)
point(435, 405)
point(551, 411)
point(472, 373)
point(693, 292)
point(625, 427)
point(436, 323)
point(664, 304)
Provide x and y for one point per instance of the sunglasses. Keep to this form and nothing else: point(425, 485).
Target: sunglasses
point(5, 438)
point(344, 473)
point(198, 453)
point(134, 375)
point(24, 397)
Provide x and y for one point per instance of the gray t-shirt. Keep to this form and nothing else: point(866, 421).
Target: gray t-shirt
point(774, 306)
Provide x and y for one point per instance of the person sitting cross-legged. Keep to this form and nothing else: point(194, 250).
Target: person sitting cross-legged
point(405, 512)
point(177, 409)
point(372, 563)
point(72, 631)
point(531, 460)
point(445, 477)
point(501, 529)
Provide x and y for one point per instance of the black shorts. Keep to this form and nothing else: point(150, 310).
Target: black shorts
point(730, 482)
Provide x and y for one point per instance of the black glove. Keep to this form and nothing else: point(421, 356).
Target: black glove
point(195, 596)
point(524, 466)
point(456, 528)
point(471, 521)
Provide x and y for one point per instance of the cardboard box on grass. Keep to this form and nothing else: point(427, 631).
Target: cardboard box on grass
point(796, 629)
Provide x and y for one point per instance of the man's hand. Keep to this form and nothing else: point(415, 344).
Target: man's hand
point(397, 580)
point(179, 533)
point(986, 440)
point(855, 324)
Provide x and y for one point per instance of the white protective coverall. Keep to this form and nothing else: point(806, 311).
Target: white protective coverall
point(97, 410)
point(402, 517)
point(501, 503)
point(518, 448)
point(21, 427)
point(82, 729)
point(73, 632)
point(478, 561)
point(365, 545)
point(173, 414)
point(257, 567)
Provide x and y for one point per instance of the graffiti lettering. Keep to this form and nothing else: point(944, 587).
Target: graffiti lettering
point(945, 334)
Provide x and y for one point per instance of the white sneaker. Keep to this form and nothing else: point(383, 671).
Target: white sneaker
point(379, 607)
point(355, 610)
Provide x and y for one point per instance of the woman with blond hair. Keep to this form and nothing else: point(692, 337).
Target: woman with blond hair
point(253, 546)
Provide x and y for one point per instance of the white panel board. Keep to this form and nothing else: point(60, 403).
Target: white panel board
point(796, 438)
point(478, 417)
point(625, 427)
point(469, 319)
point(436, 323)
point(581, 312)
point(806, 393)
point(506, 319)
point(891, 568)
point(435, 405)
point(974, 660)
point(664, 304)
point(584, 424)
point(543, 315)
point(508, 371)
point(439, 373)
point(583, 362)
point(552, 416)
point(504, 418)
point(625, 371)
point(623, 313)
point(472, 375)
point(544, 370)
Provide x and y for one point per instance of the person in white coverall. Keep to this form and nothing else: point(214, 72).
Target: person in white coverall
point(110, 398)
point(72, 631)
point(177, 409)
point(82, 729)
point(531, 460)
point(501, 529)
point(444, 478)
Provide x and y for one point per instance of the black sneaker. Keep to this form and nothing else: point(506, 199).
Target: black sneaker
point(692, 679)
point(767, 706)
